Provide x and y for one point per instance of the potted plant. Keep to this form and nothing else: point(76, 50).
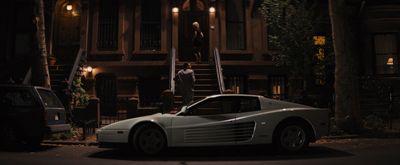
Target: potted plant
point(79, 95)
point(52, 60)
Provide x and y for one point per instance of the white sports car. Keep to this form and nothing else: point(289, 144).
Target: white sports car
point(221, 120)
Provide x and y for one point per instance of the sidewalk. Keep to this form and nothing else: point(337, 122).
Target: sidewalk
point(89, 141)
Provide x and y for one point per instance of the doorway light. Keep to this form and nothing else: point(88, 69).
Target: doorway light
point(390, 61)
point(175, 10)
point(212, 10)
point(69, 7)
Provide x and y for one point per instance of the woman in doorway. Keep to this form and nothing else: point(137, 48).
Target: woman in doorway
point(197, 41)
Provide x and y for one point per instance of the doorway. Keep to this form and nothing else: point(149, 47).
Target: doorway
point(67, 32)
point(193, 11)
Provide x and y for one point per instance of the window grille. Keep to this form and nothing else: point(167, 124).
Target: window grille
point(150, 29)
point(108, 25)
point(235, 25)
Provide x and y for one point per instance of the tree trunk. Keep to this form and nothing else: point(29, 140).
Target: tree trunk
point(41, 75)
point(347, 106)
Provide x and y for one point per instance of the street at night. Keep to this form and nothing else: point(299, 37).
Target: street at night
point(297, 82)
point(326, 151)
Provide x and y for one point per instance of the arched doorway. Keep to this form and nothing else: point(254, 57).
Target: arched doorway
point(67, 31)
point(192, 10)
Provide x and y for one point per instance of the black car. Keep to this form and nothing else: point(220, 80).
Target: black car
point(28, 113)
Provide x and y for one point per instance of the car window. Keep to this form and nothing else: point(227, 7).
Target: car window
point(213, 106)
point(249, 104)
point(49, 99)
point(18, 97)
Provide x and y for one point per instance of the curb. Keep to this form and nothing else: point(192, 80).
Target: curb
point(341, 137)
point(60, 142)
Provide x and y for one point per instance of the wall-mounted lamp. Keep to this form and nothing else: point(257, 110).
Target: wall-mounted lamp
point(212, 10)
point(89, 69)
point(69, 7)
point(390, 61)
point(175, 9)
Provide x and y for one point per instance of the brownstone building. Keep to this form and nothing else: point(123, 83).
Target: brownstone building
point(126, 47)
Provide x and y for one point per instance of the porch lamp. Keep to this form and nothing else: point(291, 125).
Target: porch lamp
point(89, 69)
point(212, 10)
point(175, 9)
point(69, 7)
point(390, 61)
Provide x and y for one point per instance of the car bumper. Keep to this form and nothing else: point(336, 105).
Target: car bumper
point(59, 128)
point(112, 136)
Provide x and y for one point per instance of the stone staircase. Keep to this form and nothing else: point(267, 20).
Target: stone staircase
point(206, 82)
point(58, 74)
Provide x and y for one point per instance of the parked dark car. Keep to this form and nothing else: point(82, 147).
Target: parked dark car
point(28, 113)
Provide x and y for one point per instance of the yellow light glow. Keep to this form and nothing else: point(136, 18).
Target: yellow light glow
point(175, 10)
point(212, 10)
point(390, 61)
point(69, 7)
point(89, 69)
point(319, 40)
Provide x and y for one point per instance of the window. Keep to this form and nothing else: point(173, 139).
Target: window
point(17, 98)
point(235, 25)
point(386, 54)
point(107, 35)
point(150, 28)
point(236, 83)
point(214, 106)
point(319, 59)
point(50, 99)
point(193, 4)
point(277, 87)
point(248, 104)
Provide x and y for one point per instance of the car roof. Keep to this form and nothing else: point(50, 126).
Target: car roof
point(233, 95)
point(21, 86)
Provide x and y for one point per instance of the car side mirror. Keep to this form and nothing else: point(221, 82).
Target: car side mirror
point(183, 110)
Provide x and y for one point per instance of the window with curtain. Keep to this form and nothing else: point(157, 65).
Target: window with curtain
point(236, 83)
point(150, 28)
point(107, 35)
point(277, 87)
point(235, 25)
point(386, 53)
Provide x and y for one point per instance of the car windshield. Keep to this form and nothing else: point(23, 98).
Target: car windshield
point(50, 99)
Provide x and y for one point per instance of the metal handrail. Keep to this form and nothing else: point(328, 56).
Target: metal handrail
point(76, 66)
point(28, 76)
point(172, 70)
point(218, 69)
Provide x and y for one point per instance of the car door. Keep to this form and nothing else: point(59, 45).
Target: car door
point(246, 118)
point(21, 112)
point(207, 123)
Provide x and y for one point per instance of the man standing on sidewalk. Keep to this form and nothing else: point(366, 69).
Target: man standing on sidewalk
point(185, 83)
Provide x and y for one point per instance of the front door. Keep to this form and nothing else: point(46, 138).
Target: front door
point(67, 34)
point(193, 11)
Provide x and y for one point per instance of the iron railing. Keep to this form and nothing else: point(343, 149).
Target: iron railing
point(172, 70)
point(76, 66)
point(218, 69)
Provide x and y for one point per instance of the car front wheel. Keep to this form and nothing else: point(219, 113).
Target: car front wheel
point(292, 137)
point(149, 139)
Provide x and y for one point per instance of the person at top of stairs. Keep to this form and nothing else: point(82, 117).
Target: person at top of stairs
point(197, 41)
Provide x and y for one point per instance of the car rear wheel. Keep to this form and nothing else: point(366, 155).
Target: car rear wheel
point(292, 137)
point(149, 139)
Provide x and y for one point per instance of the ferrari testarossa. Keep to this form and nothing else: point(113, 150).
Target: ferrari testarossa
point(221, 120)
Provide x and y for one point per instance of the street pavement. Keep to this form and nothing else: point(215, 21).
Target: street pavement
point(344, 150)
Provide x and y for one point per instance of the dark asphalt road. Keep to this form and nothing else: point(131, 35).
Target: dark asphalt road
point(339, 151)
